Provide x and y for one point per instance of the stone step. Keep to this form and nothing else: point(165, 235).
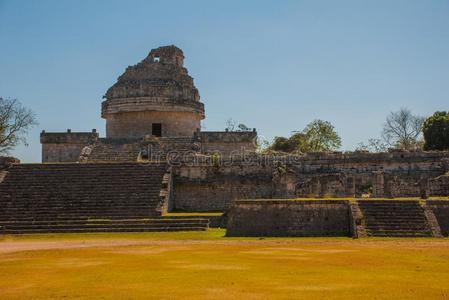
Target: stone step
point(91, 214)
point(57, 192)
point(398, 234)
point(103, 229)
point(374, 227)
point(94, 226)
point(400, 208)
point(108, 221)
point(394, 218)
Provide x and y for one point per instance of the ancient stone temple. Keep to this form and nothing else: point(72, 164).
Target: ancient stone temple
point(154, 102)
point(155, 159)
point(157, 97)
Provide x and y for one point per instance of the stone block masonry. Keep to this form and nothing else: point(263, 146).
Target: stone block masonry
point(294, 218)
point(440, 209)
point(65, 146)
point(208, 187)
point(39, 198)
point(158, 91)
point(360, 218)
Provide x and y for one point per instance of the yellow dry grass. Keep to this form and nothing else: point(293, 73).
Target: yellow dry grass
point(206, 265)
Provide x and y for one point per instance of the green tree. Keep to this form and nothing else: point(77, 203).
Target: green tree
point(436, 131)
point(318, 136)
point(284, 144)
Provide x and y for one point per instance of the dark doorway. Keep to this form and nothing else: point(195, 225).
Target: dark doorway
point(156, 129)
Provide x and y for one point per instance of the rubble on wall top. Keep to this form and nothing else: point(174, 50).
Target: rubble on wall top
point(160, 74)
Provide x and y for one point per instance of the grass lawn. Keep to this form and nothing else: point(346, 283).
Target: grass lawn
point(205, 265)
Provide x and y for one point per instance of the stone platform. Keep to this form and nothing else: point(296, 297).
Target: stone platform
point(356, 218)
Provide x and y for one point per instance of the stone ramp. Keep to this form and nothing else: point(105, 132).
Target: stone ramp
point(394, 218)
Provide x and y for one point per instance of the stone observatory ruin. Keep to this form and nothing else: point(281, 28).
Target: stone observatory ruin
point(157, 96)
point(154, 105)
point(156, 159)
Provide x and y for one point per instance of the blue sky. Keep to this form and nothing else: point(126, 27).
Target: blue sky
point(273, 65)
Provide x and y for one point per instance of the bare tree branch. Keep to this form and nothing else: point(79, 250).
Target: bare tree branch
point(15, 122)
point(402, 130)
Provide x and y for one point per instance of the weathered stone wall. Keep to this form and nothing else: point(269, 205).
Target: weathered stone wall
point(289, 218)
point(156, 90)
point(139, 124)
point(205, 187)
point(227, 143)
point(395, 174)
point(65, 146)
point(214, 188)
point(439, 186)
point(440, 209)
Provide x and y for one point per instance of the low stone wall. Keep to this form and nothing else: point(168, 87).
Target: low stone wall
point(289, 218)
point(217, 193)
point(440, 209)
point(65, 146)
point(439, 186)
point(228, 143)
point(209, 188)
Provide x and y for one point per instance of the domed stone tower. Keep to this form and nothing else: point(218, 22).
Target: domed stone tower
point(157, 96)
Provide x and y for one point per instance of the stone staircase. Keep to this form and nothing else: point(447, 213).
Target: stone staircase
point(395, 218)
point(114, 150)
point(105, 225)
point(86, 198)
point(131, 150)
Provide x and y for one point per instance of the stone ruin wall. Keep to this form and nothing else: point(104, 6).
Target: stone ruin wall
point(156, 90)
point(323, 217)
point(290, 218)
point(139, 124)
point(440, 209)
point(226, 143)
point(65, 146)
point(208, 187)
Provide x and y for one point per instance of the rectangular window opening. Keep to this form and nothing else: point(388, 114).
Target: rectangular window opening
point(156, 129)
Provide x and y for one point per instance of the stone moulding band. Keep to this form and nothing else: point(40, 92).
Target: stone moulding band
point(150, 104)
